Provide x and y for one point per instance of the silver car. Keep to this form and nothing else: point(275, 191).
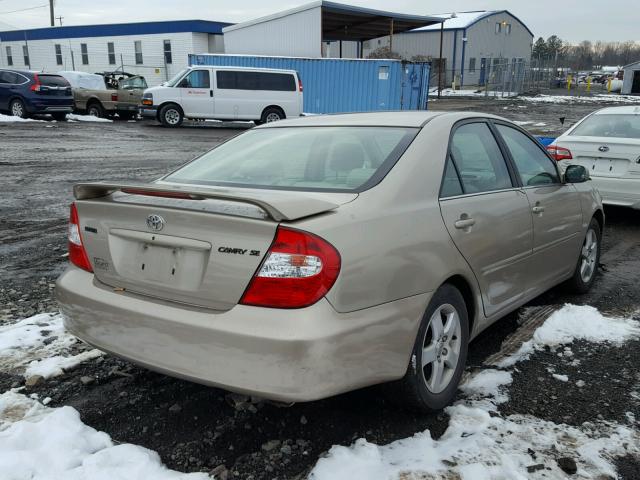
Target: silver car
point(313, 256)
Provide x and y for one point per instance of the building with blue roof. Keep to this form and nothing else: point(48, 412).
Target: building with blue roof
point(157, 50)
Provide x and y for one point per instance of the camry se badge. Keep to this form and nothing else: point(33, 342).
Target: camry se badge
point(155, 222)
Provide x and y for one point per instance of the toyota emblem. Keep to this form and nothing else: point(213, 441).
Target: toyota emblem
point(604, 148)
point(155, 222)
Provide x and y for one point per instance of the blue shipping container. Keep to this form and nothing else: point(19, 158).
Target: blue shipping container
point(334, 85)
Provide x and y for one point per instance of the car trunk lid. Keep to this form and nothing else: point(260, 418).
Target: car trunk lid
point(604, 156)
point(197, 246)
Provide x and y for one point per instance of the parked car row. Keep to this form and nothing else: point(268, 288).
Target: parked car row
point(199, 93)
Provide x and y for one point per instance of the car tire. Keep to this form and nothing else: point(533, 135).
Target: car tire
point(272, 114)
point(59, 117)
point(171, 116)
point(444, 336)
point(17, 108)
point(588, 261)
point(95, 109)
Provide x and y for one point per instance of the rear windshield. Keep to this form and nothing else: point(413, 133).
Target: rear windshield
point(610, 125)
point(339, 159)
point(53, 81)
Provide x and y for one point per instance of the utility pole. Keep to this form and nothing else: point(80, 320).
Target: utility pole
point(440, 60)
point(52, 14)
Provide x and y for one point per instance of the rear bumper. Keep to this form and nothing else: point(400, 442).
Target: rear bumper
point(624, 192)
point(49, 106)
point(287, 355)
point(126, 107)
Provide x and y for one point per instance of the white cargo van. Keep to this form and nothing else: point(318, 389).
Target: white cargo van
point(225, 93)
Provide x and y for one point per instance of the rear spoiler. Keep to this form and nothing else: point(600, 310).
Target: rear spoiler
point(279, 205)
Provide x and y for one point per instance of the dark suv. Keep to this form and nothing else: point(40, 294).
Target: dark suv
point(24, 93)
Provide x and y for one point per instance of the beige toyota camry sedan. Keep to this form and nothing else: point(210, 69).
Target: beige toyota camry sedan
point(313, 256)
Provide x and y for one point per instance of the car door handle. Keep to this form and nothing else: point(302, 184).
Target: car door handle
point(464, 223)
point(537, 209)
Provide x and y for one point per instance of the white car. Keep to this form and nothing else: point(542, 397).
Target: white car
point(607, 144)
point(225, 93)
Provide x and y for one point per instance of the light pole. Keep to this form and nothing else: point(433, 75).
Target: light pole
point(453, 15)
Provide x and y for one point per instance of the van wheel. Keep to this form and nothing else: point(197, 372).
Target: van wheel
point(95, 109)
point(171, 116)
point(18, 109)
point(272, 115)
point(585, 272)
point(439, 354)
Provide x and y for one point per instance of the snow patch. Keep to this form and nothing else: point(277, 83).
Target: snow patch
point(87, 118)
point(40, 442)
point(564, 99)
point(12, 119)
point(562, 378)
point(575, 322)
point(40, 345)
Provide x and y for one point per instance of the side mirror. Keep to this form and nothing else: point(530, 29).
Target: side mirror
point(576, 174)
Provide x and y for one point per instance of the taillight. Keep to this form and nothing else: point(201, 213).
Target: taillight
point(299, 269)
point(299, 84)
point(77, 253)
point(114, 97)
point(559, 153)
point(37, 85)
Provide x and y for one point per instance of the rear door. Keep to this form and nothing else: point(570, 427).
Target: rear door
point(556, 208)
point(487, 215)
point(196, 94)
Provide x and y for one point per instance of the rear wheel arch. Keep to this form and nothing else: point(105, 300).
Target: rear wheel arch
point(468, 294)
point(272, 107)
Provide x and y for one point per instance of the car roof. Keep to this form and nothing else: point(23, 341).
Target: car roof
point(249, 69)
point(626, 110)
point(405, 118)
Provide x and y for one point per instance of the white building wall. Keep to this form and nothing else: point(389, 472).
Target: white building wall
point(42, 54)
point(298, 34)
point(481, 42)
point(332, 49)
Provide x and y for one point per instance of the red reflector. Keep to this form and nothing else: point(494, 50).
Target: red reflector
point(114, 97)
point(559, 153)
point(299, 85)
point(77, 253)
point(298, 270)
point(156, 193)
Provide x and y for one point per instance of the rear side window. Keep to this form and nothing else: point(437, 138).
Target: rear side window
point(53, 81)
point(301, 158)
point(238, 80)
point(533, 165)
point(451, 185)
point(479, 160)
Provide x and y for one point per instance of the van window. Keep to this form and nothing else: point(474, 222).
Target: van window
point(238, 80)
point(196, 79)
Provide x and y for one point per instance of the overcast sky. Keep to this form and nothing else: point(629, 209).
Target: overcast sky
point(572, 20)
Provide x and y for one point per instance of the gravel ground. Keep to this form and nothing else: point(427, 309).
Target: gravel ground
point(197, 428)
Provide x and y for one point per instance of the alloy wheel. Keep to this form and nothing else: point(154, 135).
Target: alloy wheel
point(272, 117)
point(441, 348)
point(172, 116)
point(589, 255)
point(17, 109)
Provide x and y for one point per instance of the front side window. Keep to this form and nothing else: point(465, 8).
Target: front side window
point(9, 56)
point(25, 54)
point(609, 125)
point(533, 165)
point(84, 51)
point(58, 50)
point(301, 158)
point(480, 163)
point(111, 53)
point(167, 52)
point(196, 79)
point(138, 49)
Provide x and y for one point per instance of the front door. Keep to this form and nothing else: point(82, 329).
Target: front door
point(556, 209)
point(196, 93)
point(488, 218)
point(635, 86)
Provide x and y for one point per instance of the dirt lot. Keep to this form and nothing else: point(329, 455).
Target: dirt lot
point(194, 428)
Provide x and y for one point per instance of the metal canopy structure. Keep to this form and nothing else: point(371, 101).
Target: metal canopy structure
point(349, 23)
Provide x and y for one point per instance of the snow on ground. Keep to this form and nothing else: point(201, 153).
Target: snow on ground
point(599, 98)
point(37, 442)
point(12, 119)
point(449, 92)
point(479, 444)
point(39, 345)
point(574, 322)
point(87, 118)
